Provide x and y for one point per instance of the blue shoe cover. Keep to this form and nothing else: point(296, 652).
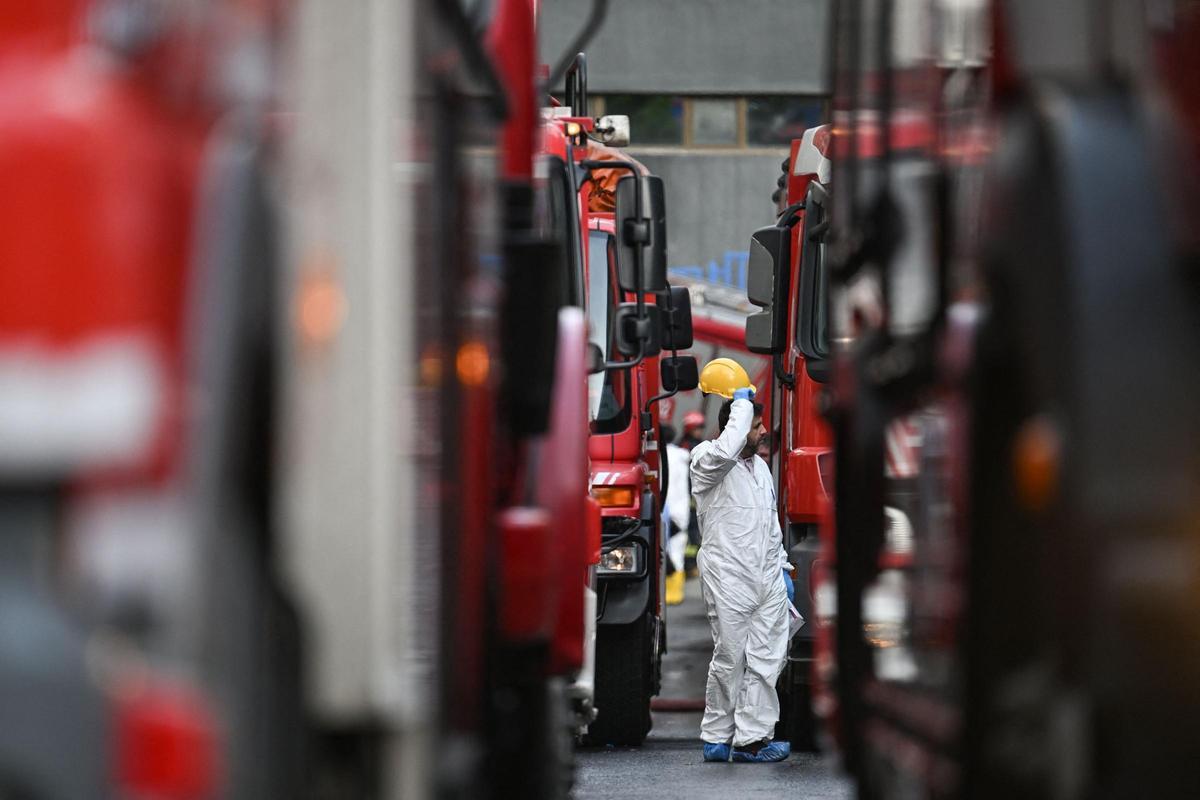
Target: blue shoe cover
point(775, 751)
point(716, 752)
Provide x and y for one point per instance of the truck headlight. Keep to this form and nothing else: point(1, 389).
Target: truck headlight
point(620, 561)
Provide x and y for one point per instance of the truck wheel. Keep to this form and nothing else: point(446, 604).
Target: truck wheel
point(624, 681)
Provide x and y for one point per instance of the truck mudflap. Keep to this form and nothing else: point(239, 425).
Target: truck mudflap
point(623, 602)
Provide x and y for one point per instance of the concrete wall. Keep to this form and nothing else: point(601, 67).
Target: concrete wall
point(715, 200)
point(697, 46)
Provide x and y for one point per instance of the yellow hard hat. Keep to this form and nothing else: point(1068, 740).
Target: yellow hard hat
point(724, 376)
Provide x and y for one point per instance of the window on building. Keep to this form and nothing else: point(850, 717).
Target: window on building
point(654, 119)
point(672, 120)
point(715, 121)
point(777, 119)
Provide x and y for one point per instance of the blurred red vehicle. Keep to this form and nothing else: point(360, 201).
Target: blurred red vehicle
point(787, 261)
point(984, 309)
point(111, 654)
point(329, 476)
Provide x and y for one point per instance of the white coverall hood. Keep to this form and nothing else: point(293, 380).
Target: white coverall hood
point(741, 560)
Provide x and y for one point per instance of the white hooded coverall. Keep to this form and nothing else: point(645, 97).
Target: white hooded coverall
point(679, 505)
point(741, 561)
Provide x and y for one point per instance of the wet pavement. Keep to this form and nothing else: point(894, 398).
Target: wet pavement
point(669, 764)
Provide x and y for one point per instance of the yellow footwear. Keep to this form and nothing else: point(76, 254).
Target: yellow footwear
point(675, 588)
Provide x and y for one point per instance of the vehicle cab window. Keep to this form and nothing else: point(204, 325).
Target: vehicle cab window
point(608, 392)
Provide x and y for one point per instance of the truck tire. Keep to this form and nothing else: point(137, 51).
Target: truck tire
point(624, 683)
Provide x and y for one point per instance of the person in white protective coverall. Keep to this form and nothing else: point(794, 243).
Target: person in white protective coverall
point(678, 507)
point(741, 564)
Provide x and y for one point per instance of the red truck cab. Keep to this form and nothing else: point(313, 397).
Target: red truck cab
point(623, 448)
point(787, 278)
point(620, 279)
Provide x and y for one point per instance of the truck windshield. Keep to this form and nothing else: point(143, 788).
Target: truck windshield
point(608, 392)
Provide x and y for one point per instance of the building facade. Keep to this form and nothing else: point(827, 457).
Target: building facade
point(714, 94)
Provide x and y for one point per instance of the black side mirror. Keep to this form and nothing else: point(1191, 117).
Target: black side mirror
point(766, 287)
point(812, 326)
point(638, 334)
point(679, 373)
point(677, 321)
point(641, 228)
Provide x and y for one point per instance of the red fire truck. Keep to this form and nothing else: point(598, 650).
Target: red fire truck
point(149, 651)
point(1014, 313)
point(633, 316)
point(296, 508)
point(501, 535)
point(787, 261)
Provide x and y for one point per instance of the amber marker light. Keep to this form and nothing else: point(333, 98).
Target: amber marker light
point(1037, 456)
point(473, 363)
point(614, 496)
